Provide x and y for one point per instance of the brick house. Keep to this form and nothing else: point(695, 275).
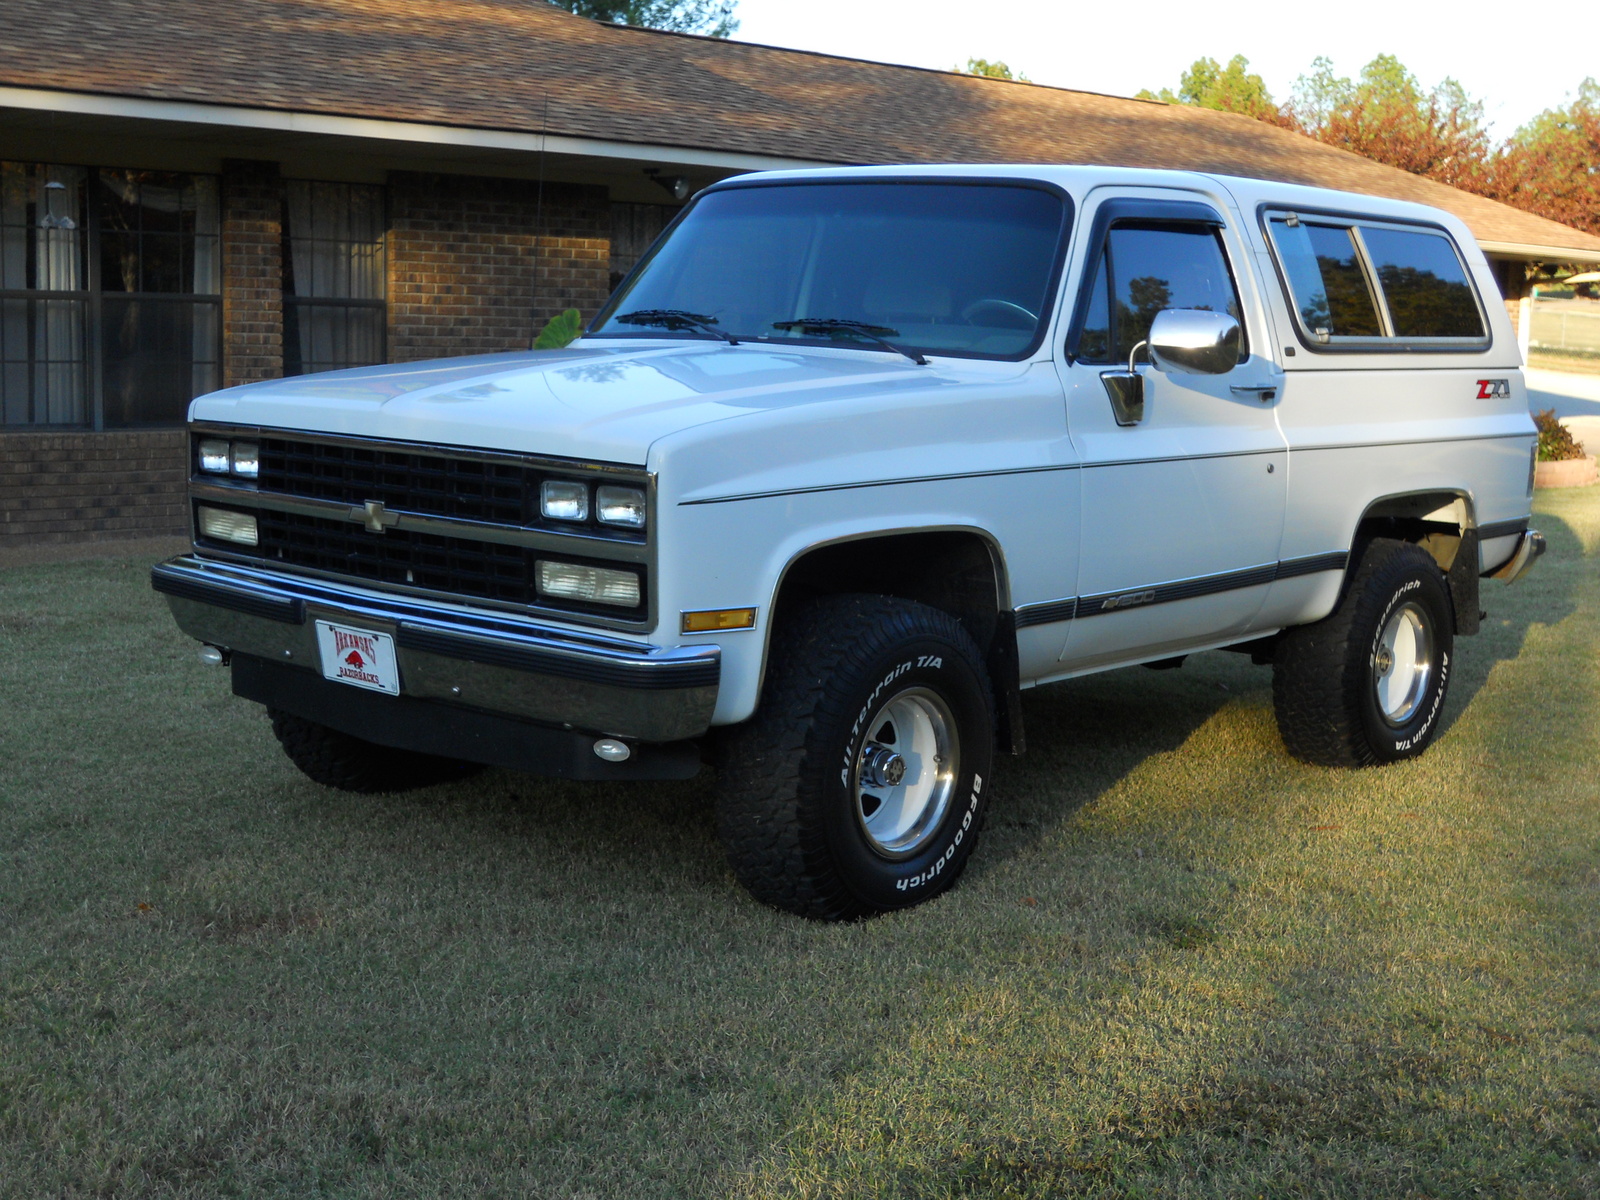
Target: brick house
point(195, 195)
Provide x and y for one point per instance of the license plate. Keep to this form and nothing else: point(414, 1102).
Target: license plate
point(358, 657)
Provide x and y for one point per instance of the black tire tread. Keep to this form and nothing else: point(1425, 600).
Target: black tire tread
point(1317, 677)
point(775, 854)
point(341, 760)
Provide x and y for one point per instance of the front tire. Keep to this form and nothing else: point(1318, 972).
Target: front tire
point(1367, 684)
point(861, 783)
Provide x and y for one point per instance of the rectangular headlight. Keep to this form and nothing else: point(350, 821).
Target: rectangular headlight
point(564, 500)
point(621, 506)
point(228, 526)
point(594, 585)
point(246, 459)
point(214, 456)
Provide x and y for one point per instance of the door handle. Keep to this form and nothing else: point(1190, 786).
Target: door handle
point(1267, 391)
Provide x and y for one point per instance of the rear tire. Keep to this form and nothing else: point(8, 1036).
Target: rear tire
point(1367, 684)
point(339, 760)
point(861, 783)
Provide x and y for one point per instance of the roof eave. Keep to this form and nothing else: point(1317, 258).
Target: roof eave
point(1540, 253)
point(412, 133)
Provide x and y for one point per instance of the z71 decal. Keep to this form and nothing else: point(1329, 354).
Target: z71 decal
point(1494, 389)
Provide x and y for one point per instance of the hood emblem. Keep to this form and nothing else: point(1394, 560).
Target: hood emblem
point(374, 516)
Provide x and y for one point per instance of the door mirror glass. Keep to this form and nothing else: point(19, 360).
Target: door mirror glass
point(1194, 341)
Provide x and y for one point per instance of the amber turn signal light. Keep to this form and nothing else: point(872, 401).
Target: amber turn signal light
point(721, 618)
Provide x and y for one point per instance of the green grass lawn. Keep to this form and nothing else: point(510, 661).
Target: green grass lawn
point(1181, 964)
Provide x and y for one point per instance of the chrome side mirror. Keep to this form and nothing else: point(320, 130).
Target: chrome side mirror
point(1194, 341)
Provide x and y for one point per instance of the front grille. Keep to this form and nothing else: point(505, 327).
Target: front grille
point(482, 570)
point(464, 488)
point(434, 484)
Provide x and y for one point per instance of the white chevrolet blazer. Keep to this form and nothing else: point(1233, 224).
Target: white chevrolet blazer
point(852, 459)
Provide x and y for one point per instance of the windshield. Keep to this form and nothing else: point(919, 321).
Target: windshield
point(936, 268)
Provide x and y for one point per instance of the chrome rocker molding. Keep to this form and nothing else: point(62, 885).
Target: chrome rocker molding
point(455, 655)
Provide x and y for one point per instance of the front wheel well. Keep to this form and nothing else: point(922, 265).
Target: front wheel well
point(954, 571)
point(957, 571)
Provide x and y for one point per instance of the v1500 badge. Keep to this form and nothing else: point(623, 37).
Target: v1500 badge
point(1493, 389)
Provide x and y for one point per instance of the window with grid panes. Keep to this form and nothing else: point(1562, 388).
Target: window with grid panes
point(110, 298)
point(334, 307)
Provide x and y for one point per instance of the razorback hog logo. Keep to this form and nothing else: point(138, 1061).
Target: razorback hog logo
point(1494, 389)
point(362, 651)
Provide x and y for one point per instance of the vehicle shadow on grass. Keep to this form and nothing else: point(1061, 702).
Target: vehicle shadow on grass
point(1085, 734)
point(1241, 975)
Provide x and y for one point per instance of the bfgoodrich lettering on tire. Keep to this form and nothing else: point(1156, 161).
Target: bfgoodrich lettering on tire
point(860, 784)
point(1367, 684)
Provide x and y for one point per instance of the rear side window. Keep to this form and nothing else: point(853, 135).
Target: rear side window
point(1145, 268)
point(1424, 283)
point(1357, 284)
point(1330, 289)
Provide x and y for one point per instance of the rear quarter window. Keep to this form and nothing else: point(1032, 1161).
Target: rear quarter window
point(1424, 284)
point(1357, 284)
point(1330, 290)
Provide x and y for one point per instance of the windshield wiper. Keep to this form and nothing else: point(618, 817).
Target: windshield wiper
point(676, 318)
point(861, 329)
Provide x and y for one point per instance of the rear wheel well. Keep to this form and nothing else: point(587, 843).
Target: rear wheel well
point(1442, 524)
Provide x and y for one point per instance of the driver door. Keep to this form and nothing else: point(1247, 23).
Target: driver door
point(1182, 511)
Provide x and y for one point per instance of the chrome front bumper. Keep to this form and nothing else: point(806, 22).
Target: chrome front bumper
point(457, 655)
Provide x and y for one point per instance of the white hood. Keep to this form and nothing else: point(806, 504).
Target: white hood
point(606, 403)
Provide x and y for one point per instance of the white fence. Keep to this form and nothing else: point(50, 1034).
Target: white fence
point(1566, 326)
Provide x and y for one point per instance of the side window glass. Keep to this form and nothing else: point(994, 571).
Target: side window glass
point(1156, 267)
point(1330, 288)
point(1424, 283)
point(1094, 343)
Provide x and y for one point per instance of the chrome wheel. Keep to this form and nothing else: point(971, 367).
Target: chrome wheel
point(905, 772)
point(1402, 664)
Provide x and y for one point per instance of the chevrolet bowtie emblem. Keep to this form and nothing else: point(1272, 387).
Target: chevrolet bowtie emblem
point(374, 516)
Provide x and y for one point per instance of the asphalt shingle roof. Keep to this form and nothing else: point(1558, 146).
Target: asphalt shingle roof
point(502, 64)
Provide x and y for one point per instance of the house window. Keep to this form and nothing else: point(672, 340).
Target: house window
point(44, 368)
point(109, 295)
point(334, 309)
point(160, 281)
point(634, 229)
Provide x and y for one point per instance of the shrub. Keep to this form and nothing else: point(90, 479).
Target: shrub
point(562, 329)
point(1555, 439)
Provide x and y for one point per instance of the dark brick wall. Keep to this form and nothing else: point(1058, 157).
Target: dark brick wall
point(468, 271)
point(84, 487)
point(252, 272)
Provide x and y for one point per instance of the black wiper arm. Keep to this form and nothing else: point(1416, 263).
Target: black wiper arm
point(676, 318)
point(861, 329)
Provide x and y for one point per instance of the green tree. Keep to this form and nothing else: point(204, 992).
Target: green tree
point(990, 70)
point(1551, 166)
point(711, 17)
point(1208, 84)
point(1387, 116)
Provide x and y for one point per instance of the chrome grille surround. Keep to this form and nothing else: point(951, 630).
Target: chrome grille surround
point(458, 523)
